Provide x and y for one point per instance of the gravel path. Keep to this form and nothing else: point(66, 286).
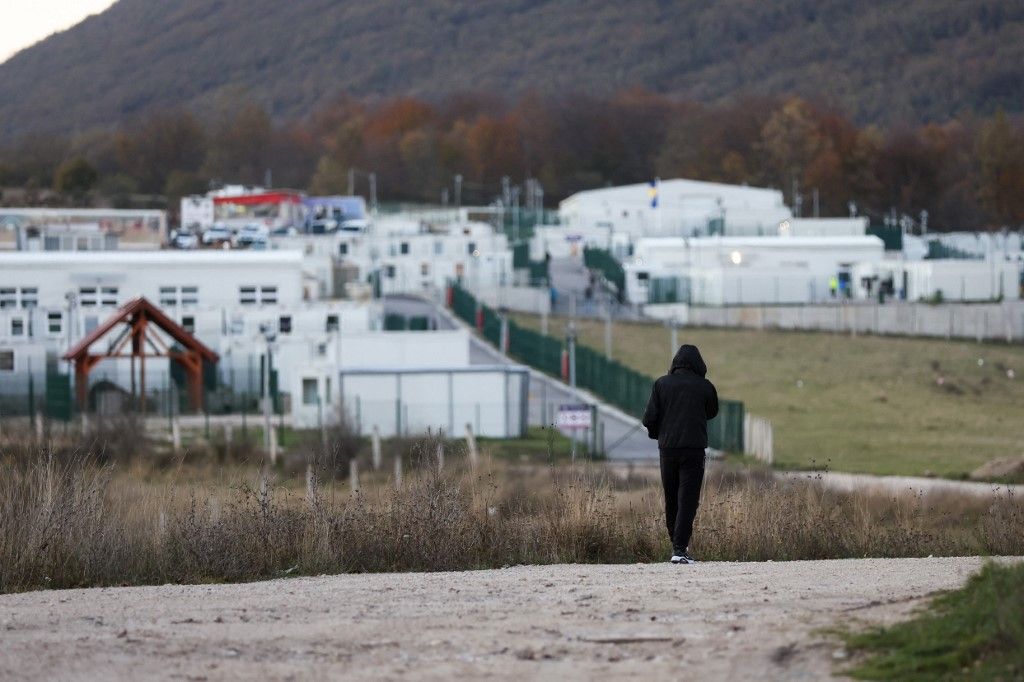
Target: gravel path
point(713, 620)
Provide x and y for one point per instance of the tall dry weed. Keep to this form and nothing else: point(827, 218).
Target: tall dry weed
point(70, 520)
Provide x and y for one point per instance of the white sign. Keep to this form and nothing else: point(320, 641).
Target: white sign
point(573, 417)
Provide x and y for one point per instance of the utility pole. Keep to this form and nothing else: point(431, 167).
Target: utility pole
point(816, 212)
point(515, 215)
point(373, 193)
point(458, 190)
point(268, 334)
point(570, 341)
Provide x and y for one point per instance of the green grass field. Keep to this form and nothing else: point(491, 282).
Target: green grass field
point(859, 404)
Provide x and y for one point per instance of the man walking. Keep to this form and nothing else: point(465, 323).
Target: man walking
point(677, 415)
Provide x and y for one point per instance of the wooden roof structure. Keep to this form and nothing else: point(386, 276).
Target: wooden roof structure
point(137, 321)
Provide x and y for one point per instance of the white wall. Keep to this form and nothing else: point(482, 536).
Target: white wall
point(218, 275)
point(684, 209)
point(491, 399)
point(748, 270)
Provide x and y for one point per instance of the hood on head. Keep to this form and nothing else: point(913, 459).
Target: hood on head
point(688, 357)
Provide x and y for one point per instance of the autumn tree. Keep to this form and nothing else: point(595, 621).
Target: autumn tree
point(1000, 152)
point(75, 177)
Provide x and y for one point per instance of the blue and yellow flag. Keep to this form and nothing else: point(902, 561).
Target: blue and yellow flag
point(653, 193)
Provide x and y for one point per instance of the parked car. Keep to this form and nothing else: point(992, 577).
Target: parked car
point(249, 234)
point(217, 235)
point(185, 240)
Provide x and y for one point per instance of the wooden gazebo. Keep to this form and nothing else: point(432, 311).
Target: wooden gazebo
point(136, 324)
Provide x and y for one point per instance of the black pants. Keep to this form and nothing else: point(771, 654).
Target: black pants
point(682, 474)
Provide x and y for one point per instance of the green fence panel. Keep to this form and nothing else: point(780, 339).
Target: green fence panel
point(891, 236)
point(492, 325)
point(535, 349)
point(58, 396)
point(725, 432)
point(539, 272)
point(605, 262)
point(394, 322)
point(463, 305)
point(521, 255)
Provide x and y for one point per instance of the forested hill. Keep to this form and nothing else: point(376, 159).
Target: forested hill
point(880, 61)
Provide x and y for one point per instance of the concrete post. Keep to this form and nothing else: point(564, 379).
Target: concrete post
point(375, 447)
point(471, 446)
point(310, 484)
point(353, 475)
point(273, 445)
point(228, 435)
point(440, 456)
point(398, 472)
point(176, 435)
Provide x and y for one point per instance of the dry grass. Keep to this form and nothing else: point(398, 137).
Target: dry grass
point(69, 520)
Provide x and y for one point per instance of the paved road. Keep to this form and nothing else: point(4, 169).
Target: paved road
point(624, 438)
point(735, 621)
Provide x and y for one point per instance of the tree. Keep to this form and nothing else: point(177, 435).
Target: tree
point(75, 177)
point(1001, 155)
point(168, 142)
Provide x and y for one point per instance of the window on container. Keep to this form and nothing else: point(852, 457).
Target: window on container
point(17, 327)
point(29, 297)
point(268, 294)
point(87, 296)
point(424, 269)
point(8, 298)
point(332, 323)
point(284, 324)
point(168, 296)
point(471, 248)
point(327, 390)
point(643, 276)
point(188, 323)
point(390, 271)
point(438, 247)
point(247, 295)
point(6, 360)
point(54, 323)
point(83, 244)
point(108, 295)
point(189, 295)
point(91, 322)
point(404, 248)
point(342, 249)
point(309, 392)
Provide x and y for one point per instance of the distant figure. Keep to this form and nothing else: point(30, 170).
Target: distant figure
point(833, 285)
point(677, 415)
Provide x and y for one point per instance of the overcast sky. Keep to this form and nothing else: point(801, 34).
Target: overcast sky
point(24, 22)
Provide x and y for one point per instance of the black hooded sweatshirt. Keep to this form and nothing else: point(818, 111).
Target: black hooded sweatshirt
point(681, 404)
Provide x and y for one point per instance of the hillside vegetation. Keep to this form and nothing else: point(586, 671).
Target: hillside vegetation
point(881, 62)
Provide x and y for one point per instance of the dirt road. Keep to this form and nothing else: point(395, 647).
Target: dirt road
point(713, 620)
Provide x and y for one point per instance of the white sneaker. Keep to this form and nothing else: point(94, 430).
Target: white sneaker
point(683, 558)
